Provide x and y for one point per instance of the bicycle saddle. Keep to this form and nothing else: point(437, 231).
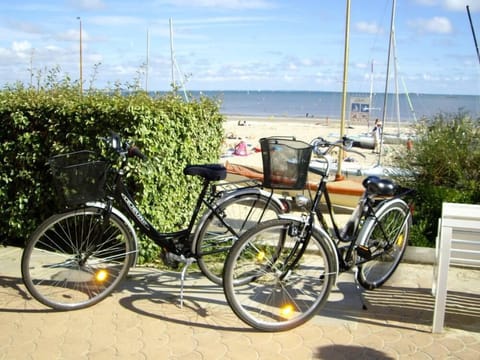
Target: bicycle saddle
point(211, 172)
point(377, 186)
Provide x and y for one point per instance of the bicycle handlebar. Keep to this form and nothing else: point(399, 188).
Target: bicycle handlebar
point(344, 144)
point(123, 148)
point(135, 151)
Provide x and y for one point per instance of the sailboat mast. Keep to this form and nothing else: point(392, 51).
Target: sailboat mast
point(338, 175)
point(172, 56)
point(410, 105)
point(384, 113)
point(473, 32)
point(370, 100)
point(395, 72)
point(148, 60)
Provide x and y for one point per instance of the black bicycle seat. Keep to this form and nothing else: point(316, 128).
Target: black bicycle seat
point(211, 172)
point(375, 185)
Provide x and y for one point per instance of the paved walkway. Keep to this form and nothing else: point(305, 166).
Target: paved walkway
point(143, 320)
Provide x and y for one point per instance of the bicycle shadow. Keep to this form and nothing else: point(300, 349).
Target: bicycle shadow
point(13, 292)
point(157, 294)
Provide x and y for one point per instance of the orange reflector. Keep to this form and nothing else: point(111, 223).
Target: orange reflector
point(101, 275)
point(260, 256)
point(399, 241)
point(286, 311)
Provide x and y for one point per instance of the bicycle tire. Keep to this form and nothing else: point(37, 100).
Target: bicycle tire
point(214, 240)
point(67, 266)
point(394, 218)
point(273, 298)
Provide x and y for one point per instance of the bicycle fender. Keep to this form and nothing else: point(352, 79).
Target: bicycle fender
point(320, 233)
point(230, 195)
point(127, 223)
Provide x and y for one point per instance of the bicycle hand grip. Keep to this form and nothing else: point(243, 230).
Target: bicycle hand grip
point(134, 151)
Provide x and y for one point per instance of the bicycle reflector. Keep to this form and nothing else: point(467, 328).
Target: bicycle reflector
point(101, 275)
point(399, 241)
point(260, 256)
point(286, 311)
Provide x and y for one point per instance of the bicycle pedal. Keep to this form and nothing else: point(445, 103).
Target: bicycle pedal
point(364, 252)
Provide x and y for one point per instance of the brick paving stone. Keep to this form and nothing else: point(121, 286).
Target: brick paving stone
point(467, 354)
point(452, 344)
point(405, 347)
point(289, 341)
point(436, 351)
point(240, 351)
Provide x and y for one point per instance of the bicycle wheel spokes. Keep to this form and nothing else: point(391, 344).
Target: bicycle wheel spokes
point(265, 289)
point(76, 259)
point(219, 233)
point(387, 240)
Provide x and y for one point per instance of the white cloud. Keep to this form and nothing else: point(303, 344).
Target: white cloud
point(115, 20)
point(427, 2)
point(455, 5)
point(369, 28)
point(435, 25)
point(225, 4)
point(88, 4)
point(460, 5)
point(21, 46)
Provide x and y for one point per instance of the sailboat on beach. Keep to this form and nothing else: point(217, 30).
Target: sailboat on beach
point(358, 170)
point(366, 140)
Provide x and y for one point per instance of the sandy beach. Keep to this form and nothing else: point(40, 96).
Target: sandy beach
point(252, 129)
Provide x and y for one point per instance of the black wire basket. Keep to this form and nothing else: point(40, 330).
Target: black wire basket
point(285, 162)
point(78, 177)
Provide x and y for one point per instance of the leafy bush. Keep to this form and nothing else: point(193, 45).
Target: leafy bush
point(445, 160)
point(54, 118)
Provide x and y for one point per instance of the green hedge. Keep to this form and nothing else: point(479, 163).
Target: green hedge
point(445, 160)
point(39, 123)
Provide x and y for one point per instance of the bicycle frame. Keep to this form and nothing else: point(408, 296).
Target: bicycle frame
point(177, 242)
point(168, 241)
point(349, 234)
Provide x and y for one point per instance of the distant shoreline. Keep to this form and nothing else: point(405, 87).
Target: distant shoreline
point(326, 121)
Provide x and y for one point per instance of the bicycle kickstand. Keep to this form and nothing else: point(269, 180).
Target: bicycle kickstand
point(360, 292)
point(188, 262)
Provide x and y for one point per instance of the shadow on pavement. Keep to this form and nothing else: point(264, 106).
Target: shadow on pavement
point(400, 307)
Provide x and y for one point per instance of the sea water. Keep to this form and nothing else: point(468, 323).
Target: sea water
point(324, 104)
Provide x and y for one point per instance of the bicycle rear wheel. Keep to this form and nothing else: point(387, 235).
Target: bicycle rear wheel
point(75, 259)
point(386, 237)
point(273, 281)
point(225, 224)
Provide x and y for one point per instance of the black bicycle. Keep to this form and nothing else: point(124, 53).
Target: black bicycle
point(77, 257)
point(279, 273)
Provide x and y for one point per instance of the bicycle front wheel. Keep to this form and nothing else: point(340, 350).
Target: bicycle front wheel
point(225, 224)
point(75, 259)
point(273, 280)
point(386, 236)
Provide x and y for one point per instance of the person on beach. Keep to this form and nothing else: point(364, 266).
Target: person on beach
point(376, 136)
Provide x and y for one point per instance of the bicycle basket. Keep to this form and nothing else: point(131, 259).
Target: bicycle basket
point(285, 162)
point(78, 177)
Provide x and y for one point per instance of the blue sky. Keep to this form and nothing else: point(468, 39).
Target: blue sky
point(243, 44)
